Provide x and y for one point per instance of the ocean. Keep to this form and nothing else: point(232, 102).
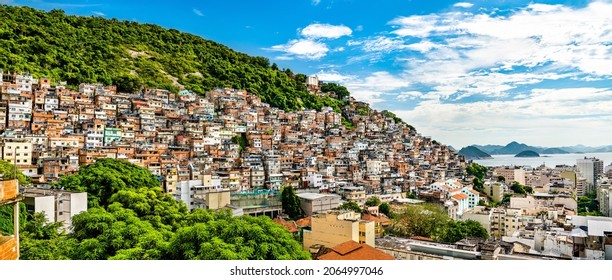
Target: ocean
point(548, 160)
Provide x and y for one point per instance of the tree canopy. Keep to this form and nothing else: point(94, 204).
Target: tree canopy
point(133, 56)
point(290, 202)
point(478, 172)
point(431, 220)
point(130, 218)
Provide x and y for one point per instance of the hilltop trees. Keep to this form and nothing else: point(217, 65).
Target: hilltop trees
point(132, 56)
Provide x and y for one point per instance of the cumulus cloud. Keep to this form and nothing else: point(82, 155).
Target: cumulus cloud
point(312, 45)
point(303, 48)
point(327, 31)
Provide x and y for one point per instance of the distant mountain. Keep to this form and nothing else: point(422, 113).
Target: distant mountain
point(488, 148)
point(452, 148)
point(554, 151)
point(527, 153)
point(514, 148)
point(471, 152)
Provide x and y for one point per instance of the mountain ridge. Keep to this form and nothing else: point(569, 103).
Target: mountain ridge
point(514, 148)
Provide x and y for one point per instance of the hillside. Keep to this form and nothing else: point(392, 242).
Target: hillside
point(471, 152)
point(131, 55)
point(527, 153)
point(512, 148)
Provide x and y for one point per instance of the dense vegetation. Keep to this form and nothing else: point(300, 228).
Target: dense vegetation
point(588, 204)
point(80, 49)
point(478, 172)
point(432, 221)
point(290, 202)
point(130, 218)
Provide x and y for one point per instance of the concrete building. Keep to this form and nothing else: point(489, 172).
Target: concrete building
point(511, 174)
point(505, 222)
point(17, 152)
point(336, 227)
point(56, 205)
point(591, 169)
point(495, 190)
point(480, 214)
point(312, 203)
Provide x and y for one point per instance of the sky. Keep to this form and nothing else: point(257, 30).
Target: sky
point(475, 72)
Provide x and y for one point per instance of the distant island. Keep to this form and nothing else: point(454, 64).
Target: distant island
point(471, 152)
point(554, 151)
point(527, 154)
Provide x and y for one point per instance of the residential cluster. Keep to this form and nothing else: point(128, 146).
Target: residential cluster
point(228, 149)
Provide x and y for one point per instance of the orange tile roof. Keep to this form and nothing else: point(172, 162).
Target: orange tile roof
point(352, 250)
point(474, 192)
point(304, 222)
point(289, 225)
point(460, 196)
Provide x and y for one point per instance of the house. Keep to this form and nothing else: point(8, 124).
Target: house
point(312, 203)
point(335, 227)
point(351, 250)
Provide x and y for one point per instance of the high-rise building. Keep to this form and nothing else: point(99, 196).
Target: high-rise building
point(591, 169)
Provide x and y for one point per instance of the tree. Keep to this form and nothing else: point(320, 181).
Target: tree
point(290, 202)
point(339, 90)
point(454, 231)
point(235, 238)
point(501, 179)
point(420, 220)
point(479, 172)
point(373, 201)
point(385, 208)
point(350, 205)
point(411, 195)
point(106, 177)
point(8, 171)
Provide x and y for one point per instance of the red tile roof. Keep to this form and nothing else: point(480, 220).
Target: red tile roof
point(460, 196)
point(352, 250)
point(304, 222)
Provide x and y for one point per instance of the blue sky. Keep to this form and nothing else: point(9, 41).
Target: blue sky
point(474, 72)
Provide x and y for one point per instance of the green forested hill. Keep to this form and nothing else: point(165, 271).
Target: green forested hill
point(131, 55)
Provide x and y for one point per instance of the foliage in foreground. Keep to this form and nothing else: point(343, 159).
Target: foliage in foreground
point(132, 219)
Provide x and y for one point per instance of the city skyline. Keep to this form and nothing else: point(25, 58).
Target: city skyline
point(477, 72)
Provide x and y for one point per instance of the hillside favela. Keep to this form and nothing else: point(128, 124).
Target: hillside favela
point(122, 139)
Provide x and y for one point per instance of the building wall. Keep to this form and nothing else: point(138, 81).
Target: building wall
point(330, 231)
point(8, 248)
point(217, 200)
point(367, 232)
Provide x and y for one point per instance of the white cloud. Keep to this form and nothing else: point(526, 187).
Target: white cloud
point(98, 13)
point(463, 5)
point(327, 31)
point(303, 48)
point(567, 117)
point(408, 95)
point(333, 76)
point(467, 54)
point(198, 12)
point(359, 28)
point(316, 2)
